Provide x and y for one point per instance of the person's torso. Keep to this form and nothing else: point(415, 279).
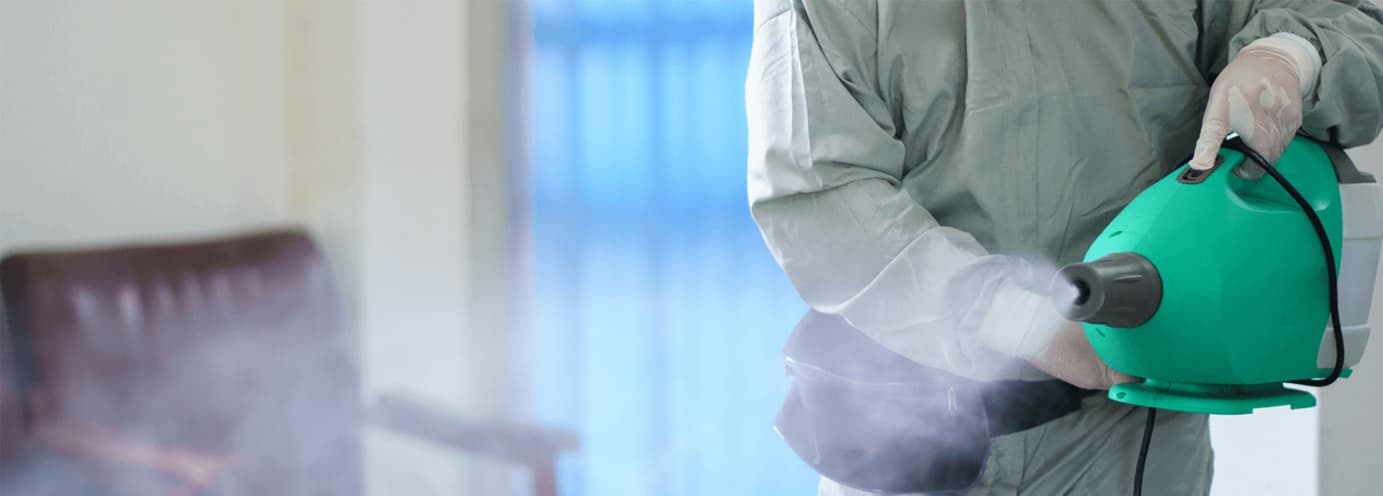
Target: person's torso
point(1029, 125)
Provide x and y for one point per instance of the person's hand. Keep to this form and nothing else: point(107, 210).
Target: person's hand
point(1259, 97)
point(1068, 356)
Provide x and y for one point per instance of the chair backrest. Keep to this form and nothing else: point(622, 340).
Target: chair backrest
point(232, 346)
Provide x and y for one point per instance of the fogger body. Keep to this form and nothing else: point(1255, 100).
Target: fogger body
point(1211, 284)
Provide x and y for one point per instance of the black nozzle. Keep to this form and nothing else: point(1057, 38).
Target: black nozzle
point(1118, 290)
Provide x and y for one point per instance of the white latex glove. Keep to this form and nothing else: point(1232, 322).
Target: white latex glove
point(1259, 97)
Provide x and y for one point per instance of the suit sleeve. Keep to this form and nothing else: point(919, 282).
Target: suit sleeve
point(825, 173)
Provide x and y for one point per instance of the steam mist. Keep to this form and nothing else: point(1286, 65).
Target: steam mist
point(886, 406)
point(263, 388)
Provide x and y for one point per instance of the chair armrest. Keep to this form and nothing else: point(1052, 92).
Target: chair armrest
point(191, 471)
point(528, 445)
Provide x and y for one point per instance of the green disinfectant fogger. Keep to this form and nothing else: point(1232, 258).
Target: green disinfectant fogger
point(1219, 286)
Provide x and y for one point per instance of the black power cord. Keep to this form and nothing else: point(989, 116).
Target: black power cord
point(1331, 277)
point(1143, 452)
point(1333, 288)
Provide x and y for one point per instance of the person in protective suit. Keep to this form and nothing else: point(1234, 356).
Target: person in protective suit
point(917, 167)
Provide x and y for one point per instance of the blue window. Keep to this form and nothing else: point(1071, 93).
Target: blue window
point(658, 314)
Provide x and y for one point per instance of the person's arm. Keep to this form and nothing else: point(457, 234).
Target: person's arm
point(1345, 105)
point(825, 170)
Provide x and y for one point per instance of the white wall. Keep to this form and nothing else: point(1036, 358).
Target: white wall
point(148, 119)
point(1272, 452)
point(116, 124)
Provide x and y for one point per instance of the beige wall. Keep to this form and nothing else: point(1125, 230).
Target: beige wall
point(414, 238)
point(115, 123)
point(165, 118)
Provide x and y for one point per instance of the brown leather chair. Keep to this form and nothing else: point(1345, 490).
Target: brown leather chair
point(9, 398)
point(218, 366)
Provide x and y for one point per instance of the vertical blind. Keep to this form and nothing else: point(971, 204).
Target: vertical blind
point(658, 314)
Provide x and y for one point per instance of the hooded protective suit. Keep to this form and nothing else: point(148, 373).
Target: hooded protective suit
point(904, 154)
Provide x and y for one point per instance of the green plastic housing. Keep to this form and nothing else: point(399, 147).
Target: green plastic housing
point(1245, 298)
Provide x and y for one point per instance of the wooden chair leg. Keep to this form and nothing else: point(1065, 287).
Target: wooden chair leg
point(545, 480)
